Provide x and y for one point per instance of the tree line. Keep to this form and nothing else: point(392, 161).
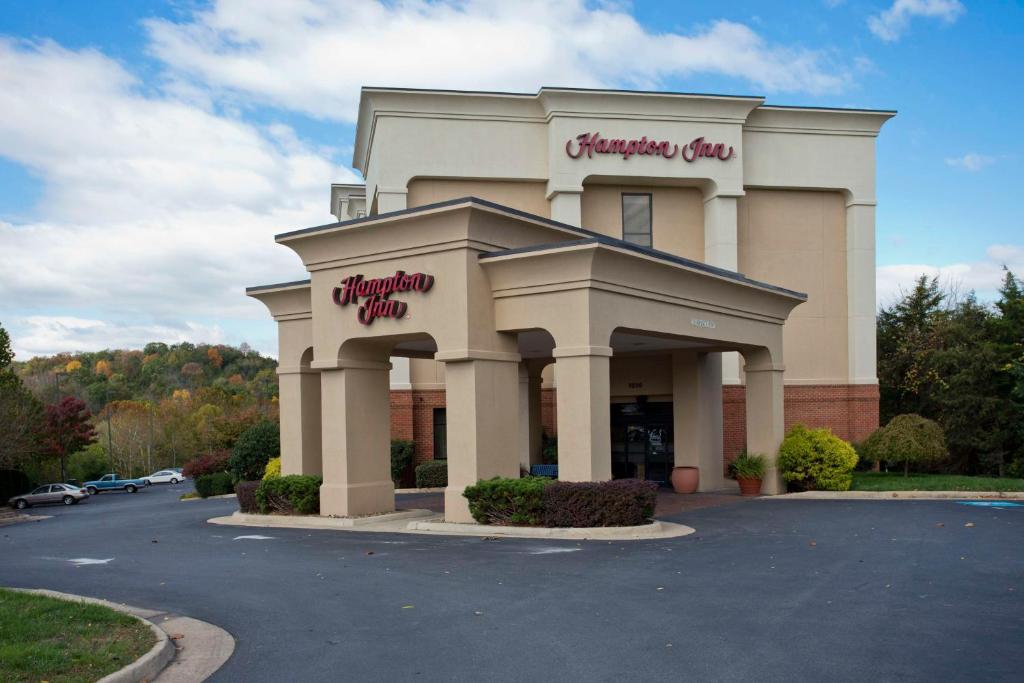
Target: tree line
point(77, 416)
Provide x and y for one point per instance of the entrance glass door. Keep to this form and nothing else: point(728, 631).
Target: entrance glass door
point(642, 441)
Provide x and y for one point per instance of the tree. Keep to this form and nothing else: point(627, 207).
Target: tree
point(907, 439)
point(69, 429)
point(255, 447)
point(21, 413)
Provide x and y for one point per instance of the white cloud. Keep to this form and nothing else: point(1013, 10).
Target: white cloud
point(971, 161)
point(313, 56)
point(154, 208)
point(44, 335)
point(984, 277)
point(890, 24)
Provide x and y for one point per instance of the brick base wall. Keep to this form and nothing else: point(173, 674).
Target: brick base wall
point(850, 410)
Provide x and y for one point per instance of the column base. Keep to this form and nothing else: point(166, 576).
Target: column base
point(349, 500)
point(456, 507)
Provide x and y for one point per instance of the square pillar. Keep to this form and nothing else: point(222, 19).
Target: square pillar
point(766, 419)
point(299, 401)
point(860, 288)
point(531, 428)
point(697, 415)
point(356, 439)
point(721, 249)
point(391, 199)
point(583, 404)
point(567, 206)
point(482, 396)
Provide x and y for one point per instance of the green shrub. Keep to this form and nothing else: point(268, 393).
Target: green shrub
point(1016, 469)
point(216, 484)
point(246, 492)
point(402, 452)
point(748, 466)
point(432, 474)
point(908, 439)
point(89, 464)
point(293, 494)
point(816, 459)
point(508, 501)
point(254, 449)
point(273, 468)
point(623, 502)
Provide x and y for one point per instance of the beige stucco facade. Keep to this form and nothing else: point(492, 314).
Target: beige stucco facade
point(760, 275)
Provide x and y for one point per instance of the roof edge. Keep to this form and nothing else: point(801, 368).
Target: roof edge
point(294, 284)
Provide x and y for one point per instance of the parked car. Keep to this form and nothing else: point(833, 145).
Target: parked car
point(168, 476)
point(50, 493)
point(111, 482)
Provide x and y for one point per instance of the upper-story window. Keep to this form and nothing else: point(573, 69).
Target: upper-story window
point(636, 219)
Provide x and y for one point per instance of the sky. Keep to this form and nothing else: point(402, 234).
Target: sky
point(149, 151)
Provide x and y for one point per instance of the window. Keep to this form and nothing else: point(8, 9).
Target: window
point(41, 489)
point(440, 434)
point(636, 219)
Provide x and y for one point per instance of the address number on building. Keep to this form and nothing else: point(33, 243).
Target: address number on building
point(706, 324)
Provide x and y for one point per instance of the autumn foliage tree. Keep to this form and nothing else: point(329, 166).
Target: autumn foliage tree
point(68, 429)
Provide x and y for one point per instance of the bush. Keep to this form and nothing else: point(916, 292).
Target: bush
point(246, 492)
point(909, 439)
point(508, 501)
point(432, 474)
point(273, 468)
point(1016, 469)
point(294, 494)
point(402, 452)
point(748, 466)
point(623, 502)
point(216, 484)
point(208, 463)
point(254, 449)
point(88, 464)
point(816, 459)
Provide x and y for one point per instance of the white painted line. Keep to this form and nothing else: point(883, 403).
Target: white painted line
point(549, 551)
point(254, 537)
point(79, 561)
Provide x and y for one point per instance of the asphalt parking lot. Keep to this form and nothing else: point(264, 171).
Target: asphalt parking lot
point(765, 590)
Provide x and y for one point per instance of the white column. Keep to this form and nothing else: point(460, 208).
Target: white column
point(584, 417)
point(766, 419)
point(721, 249)
point(860, 289)
point(566, 206)
point(697, 415)
point(299, 401)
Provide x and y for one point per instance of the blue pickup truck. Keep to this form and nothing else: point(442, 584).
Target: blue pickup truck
point(111, 482)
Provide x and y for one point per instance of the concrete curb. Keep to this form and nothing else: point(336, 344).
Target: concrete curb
point(17, 519)
point(226, 495)
point(429, 489)
point(146, 667)
point(430, 523)
point(657, 529)
point(899, 495)
point(313, 522)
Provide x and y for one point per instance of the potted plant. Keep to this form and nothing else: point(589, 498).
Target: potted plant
point(748, 470)
point(685, 479)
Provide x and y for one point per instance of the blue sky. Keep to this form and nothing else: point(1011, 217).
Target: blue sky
point(149, 150)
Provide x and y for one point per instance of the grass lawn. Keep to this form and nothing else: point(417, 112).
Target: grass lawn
point(46, 639)
point(895, 481)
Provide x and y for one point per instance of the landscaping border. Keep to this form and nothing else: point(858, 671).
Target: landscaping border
point(899, 495)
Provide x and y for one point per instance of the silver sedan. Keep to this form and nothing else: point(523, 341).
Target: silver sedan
point(65, 494)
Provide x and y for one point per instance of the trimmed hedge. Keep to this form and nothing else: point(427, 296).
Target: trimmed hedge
point(539, 501)
point(432, 474)
point(908, 439)
point(508, 501)
point(254, 449)
point(246, 492)
point(273, 468)
point(816, 460)
point(622, 502)
point(216, 484)
point(294, 494)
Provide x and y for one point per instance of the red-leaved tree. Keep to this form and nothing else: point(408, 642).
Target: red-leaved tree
point(68, 429)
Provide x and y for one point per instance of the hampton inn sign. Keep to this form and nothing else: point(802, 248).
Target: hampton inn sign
point(377, 293)
point(592, 143)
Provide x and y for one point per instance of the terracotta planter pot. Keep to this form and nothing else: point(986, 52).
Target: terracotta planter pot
point(685, 479)
point(750, 487)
